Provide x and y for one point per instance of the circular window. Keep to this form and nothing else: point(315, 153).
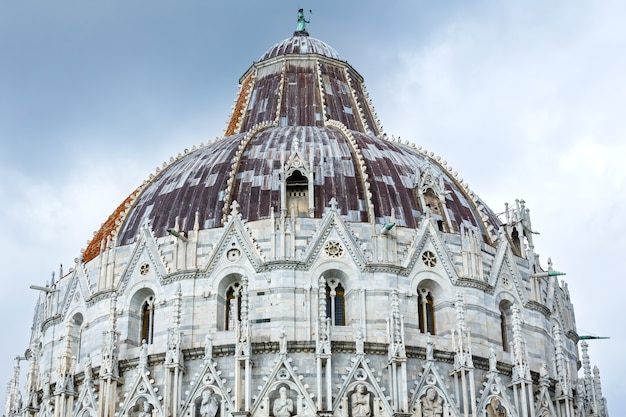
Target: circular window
point(333, 249)
point(429, 259)
point(506, 281)
point(233, 255)
point(144, 269)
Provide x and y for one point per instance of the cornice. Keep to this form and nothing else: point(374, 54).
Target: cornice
point(534, 305)
point(50, 321)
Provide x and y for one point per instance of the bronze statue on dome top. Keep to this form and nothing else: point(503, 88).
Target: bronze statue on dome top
point(301, 28)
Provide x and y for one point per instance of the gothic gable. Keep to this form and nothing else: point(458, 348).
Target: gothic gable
point(77, 292)
point(141, 396)
point(281, 387)
point(428, 240)
point(145, 252)
point(505, 274)
point(494, 396)
point(361, 391)
point(208, 389)
point(431, 394)
point(333, 229)
point(236, 240)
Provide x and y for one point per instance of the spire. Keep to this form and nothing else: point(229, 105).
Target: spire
point(65, 364)
point(109, 364)
point(173, 356)
point(323, 321)
point(12, 406)
point(592, 385)
point(396, 329)
point(461, 336)
point(521, 369)
point(563, 383)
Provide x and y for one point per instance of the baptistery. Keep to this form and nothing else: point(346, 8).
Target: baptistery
point(307, 264)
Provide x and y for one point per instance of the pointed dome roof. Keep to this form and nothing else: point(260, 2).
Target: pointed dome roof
point(299, 99)
point(299, 44)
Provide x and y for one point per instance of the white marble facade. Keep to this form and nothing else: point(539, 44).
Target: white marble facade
point(239, 348)
point(301, 315)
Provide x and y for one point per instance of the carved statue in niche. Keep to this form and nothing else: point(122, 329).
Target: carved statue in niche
point(360, 402)
point(493, 361)
point(432, 404)
point(143, 356)
point(283, 405)
point(209, 405)
point(208, 346)
point(145, 410)
point(430, 355)
point(495, 409)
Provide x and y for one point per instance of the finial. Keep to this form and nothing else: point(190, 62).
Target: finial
point(301, 28)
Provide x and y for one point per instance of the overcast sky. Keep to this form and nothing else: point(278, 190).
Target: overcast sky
point(525, 99)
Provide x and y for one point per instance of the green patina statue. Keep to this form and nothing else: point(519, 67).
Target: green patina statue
point(301, 21)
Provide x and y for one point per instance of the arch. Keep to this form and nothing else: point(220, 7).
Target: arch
point(361, 399)
point(429, 294)
point(208, 403)
point(297, 193)
point(431, 400)
point(336, 295)
point(76, 323)
point(229, 301)
point(516, 241)
point(141, 314)
point(282, 404)
point(494, 407)
point(426, 310)
point(436, 209)
point(142, 407)
point(506, 329)
point(87, 412)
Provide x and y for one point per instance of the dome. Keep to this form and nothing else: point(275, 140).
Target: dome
point(296, 103)
point(305, 264)
point(301, 44)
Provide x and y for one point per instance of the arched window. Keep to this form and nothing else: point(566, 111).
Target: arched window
point(141, 317)
point(233, 306)
point(77, 332)
point(517, 245)
point(505, 325)
point(335, 302)
point(426, 311)
point(147, 320)
point(297, 190)
point(503, 332)
point(437, 212)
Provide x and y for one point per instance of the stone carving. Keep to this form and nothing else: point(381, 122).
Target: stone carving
point(143, 356)
point(471, 252)
point(493, 361)
point(88, 371)
point(544, 411)
point(283, 342)
point(209, 405)
point(430, 355)
point(495, 409)
point(432, 404)
point(145, 410)
point(208, 346)
point(283, 405)
point(361, 402)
